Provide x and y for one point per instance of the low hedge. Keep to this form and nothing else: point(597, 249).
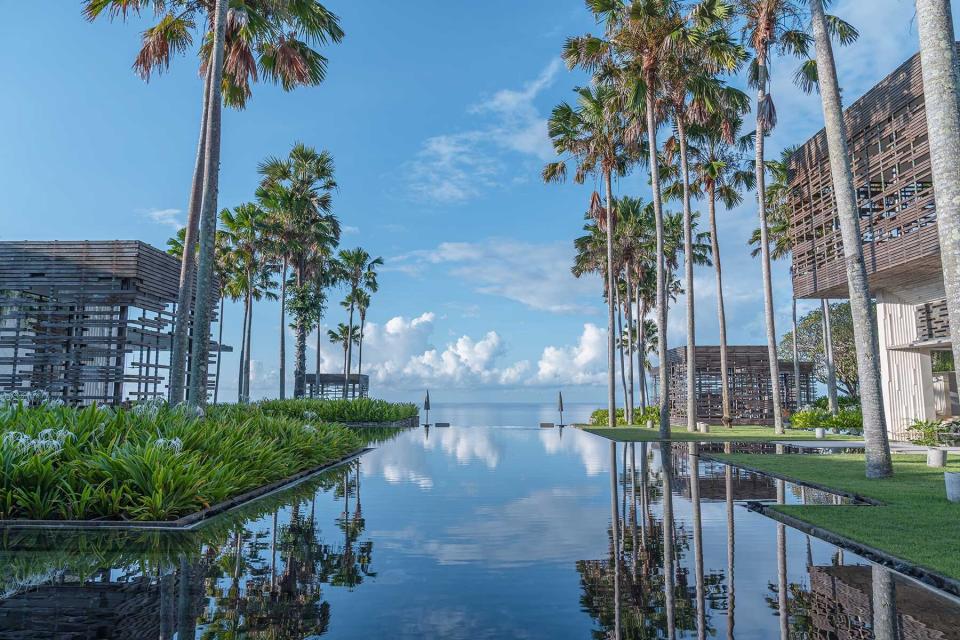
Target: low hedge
point(848, 421)
point(150, 462)
point(599, 418)
point(359, 410)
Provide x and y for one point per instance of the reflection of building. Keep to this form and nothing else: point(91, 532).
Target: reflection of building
point(887, 128)
point(331, 385)
point(749, 376)
point(841, 607)
point(86, 321)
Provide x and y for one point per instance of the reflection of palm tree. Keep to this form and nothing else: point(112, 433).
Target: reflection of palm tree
point(884, 604)
point(728, 472)
point(694, 462)
point(782, 567)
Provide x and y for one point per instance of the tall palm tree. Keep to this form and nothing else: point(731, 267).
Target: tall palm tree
point(360, 273)
point(770, 26)
point(346, 337)
point(244, 229)
point(591, 135)
point(271, 39)
point(363, 303)
point(938, 57)
point(877, 448)
point(721, 173)
point(297, 192)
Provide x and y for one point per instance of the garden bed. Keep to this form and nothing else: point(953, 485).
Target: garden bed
point(154, 464)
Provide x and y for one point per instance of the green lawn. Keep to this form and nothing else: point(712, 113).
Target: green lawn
point(916, 522)
point(718, 434)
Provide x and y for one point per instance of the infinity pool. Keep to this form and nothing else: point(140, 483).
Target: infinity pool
point(476, 533)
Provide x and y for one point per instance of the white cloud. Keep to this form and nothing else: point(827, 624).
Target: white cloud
point(453, 168)
point(168, 217)
point(535, 275)
point(581, 364)
point(349, 229)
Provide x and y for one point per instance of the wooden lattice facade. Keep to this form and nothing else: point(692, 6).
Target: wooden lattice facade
point(748, 369)
point(87, 322)
point(887, 130)
point(329, 386)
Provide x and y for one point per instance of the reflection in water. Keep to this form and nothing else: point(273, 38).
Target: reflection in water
point(644, 592)
point(652, 545)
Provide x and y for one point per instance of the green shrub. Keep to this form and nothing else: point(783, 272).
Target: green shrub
point(849, 421)
point(927, 432)
point(150, 462)
point(809, 418)
point(843, 402)
point(359, 410)
point(640, 416)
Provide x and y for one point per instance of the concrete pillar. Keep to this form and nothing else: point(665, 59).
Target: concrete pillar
point(906, 377)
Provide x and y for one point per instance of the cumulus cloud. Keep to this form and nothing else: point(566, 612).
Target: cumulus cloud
point(453, 168)
point(535, 275)
point(583, 363)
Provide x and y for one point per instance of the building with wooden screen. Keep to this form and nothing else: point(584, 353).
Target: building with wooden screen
point(751, 401)
point(87, 322)
point(887, 131)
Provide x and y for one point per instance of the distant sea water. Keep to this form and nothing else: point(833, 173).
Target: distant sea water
point(507, 414)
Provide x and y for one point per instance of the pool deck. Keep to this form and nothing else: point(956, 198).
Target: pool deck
point(895, 447)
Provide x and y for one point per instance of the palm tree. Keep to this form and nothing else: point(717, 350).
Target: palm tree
point(769, 26)
point(721, 174)
point(344, 336)
point(244, 229)
point(877, 447)
point(938, 57)
point(258, 35)
point(360, 273)
point(363, 303)
point(591, 135)
point(296, 191)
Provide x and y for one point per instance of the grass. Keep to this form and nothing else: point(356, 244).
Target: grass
point(153, 462)
point(359, 410)
point(717, 434)
point(916, 522)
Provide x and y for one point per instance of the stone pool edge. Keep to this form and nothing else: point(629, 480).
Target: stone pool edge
point(916, 572)
point(195, 519)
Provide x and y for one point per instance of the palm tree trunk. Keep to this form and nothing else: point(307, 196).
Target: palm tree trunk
point(688, 272)
point(721, 313)
point(248, 353)
point(208, 217)
point(661, 267)
point(642, 349)
point(216, 375)
point(243, 351)
point(316, 379)
point(349, 352)
point(796, 359)
point(668, 541)
point(693, 462)
point(283, 330)
point(629, 306)
point(363, 322)
point(181, 332)
point(611, 293)
point(765, 254)
point(623, 367)
point(884, 604)
point(877, 447)
point(938, 55)
point(300, 345)
point(828, 355)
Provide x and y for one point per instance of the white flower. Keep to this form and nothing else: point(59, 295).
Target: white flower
point(309, 415)
point(174, 444)
point(309, 428)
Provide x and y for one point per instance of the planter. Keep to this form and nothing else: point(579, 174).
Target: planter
point(703, 427)
point(936, 457)
point(820, 433)
point(649, 424)
point(952, 480)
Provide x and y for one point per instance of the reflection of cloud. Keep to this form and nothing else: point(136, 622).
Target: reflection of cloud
point(467, 444)
point(403, 461)
point(552, 525)
point(593, 451)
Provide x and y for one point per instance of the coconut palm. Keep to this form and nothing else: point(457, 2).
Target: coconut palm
point(590, 135)
point(938, 57)
point(346, 337)
point(244, 230)
point(359, 273)
point(770, 27)
point(296, 191)
point(363, 304)
point(721, 173)
point(877, 447)
point(271, 39)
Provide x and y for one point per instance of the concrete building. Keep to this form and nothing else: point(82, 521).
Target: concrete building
point(887, 131)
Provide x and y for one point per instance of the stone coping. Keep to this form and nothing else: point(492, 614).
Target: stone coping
point(191, 521)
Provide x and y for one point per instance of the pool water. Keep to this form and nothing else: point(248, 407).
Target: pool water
point(476, 532)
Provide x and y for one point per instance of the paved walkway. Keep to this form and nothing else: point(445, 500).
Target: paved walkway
point(895, 447)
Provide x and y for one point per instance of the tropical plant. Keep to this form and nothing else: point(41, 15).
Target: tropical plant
point(296, 192)
point(360, 274)
point(345, 336)
point(591, 135)
point(812, 347)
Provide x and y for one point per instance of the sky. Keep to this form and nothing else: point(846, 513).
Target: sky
point(435, 113)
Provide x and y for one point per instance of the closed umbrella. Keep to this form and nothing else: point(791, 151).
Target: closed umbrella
point(426, 408)
point(560, 406)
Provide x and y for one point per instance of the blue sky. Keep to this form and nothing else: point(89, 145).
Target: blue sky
point(434, 112)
